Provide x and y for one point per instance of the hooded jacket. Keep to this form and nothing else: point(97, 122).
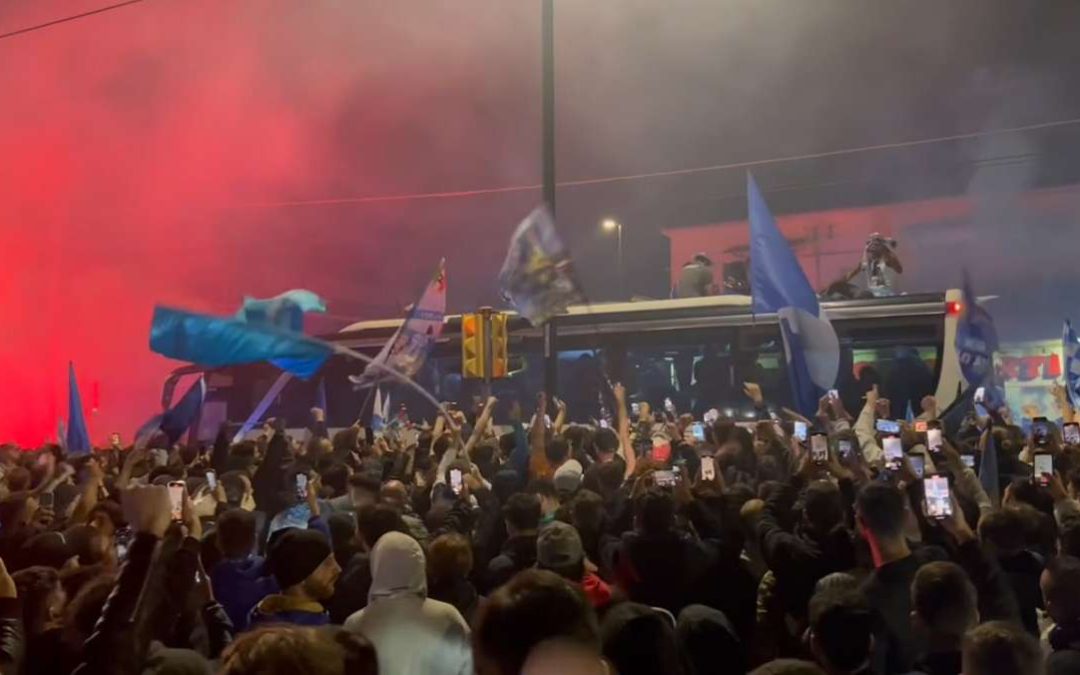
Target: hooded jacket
point(411, 632)
point(239, 585)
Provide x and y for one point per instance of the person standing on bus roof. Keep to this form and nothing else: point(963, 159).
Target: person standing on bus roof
point(696, 279)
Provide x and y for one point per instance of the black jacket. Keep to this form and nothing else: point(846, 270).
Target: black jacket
point(799, 559)
point(1023, 570)
point(351, 591)
point(12, 636)
point(518, 553)
point(663, 570)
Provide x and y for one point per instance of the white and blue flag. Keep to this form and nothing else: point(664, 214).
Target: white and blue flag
point(1070, 348)
point(778, 285)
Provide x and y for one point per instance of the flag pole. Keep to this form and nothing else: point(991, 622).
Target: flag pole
point(547, 154)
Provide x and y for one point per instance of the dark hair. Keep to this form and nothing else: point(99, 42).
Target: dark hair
point(542, 487)
point(881, 509)
point(534, 606)
point(336, 476)
point(606, 440)
point(111, 509)
point(1001, 648)
point(587, 512)
point(842, 625)
point(1069, 538)
point(557, 450)
point(655, 510)
point(34, 585)
point(235, 484)
point(944, 598)
point(375, 520)
point(638, 640)
point(1027, 491)
point(1063, 589)
point(365, 482)
point(522, 511)
point(283, 650)
point(1005, 529)
point(346, 440)
point(507, 443)
point(449, 557)
point(236, 533)
point(83, 610)
point(822, 506)
point(18, 479)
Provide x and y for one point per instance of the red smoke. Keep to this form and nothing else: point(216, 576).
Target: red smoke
point(132, 140)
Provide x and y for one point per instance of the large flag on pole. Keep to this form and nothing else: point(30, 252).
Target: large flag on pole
point(175, 421)
point(537, 277)
point(408, 348)
point(778, 285)
point(285, 311)
point(221, 341)
point(378, 412)
point(77, 436)
point(1070, 348)
point(976, 342)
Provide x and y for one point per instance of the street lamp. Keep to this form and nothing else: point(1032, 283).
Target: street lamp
point(610, 224)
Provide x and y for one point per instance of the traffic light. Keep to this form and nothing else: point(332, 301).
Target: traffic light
point(472, 346)
point(500, 355)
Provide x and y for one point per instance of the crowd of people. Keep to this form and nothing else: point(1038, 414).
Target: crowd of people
point(652, 542)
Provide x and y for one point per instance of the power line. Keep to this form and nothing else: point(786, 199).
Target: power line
point(660, 174)
point(73, 17)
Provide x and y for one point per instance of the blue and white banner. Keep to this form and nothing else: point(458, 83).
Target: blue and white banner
point(1070, 348)
point(778, 285)
point(406, 351)
point(537, 276)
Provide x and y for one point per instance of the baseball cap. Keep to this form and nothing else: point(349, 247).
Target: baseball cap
point(558, 546)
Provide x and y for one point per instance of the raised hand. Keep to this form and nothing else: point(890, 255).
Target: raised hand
point(753, 392)
point(148, 509)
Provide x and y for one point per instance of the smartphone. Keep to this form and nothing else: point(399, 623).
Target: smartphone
point(46, 500)
point(661, 450)
point(301, 485)
point(887, 426)
point(934, 442)
point(635, 409)
point(1044, 466)
point(968, 460)
point(894, 451)
point(664, 478)
point(708, 469)
point(918, 464)
point(1071, 433)
point(1040, 432)
point(677, 472)
point(980, 395)
point(603, 424)
point(938, 499)
point(711, 415)
point(455, 481)
point(698, 429)
point(176, 499)
point(211, 479)
point(834, 394)
point(800, 431)
point(819, 448)
point(843, 446)
point(920, 426)
point(669, 406)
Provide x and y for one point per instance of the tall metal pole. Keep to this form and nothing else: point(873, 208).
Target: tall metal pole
point(622, 277)
point(547, 154)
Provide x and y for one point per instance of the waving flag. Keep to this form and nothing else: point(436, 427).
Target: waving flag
point(537, 277)
point(378, 413)
point(219, 341)
point(77, 437)
point(1070, 347)
point(285, 311)
point(976, 342)
point(175, 421)
point(409, 347)
point(778, 285)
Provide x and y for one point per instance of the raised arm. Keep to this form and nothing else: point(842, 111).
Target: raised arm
point(481, 425)
point(623, 420)
point(560, 418)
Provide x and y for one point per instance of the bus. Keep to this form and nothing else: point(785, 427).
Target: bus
point(698, 352)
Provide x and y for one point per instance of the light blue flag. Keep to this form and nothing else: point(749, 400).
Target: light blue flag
point(988, 471)
point(285, 311)
point(1070, 348)
point(320, 395)
point(218, 341)
point(78, 438)
point(778, 285)
point(909, 414)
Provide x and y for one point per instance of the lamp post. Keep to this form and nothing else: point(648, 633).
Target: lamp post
point(609, 225)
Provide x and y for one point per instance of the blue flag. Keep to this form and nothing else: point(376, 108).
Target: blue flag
point(174, 421)
point(909, 414)
point(537, 276)
point(285, 311)
point(1070, 348)
point(988, 471)
point(320, 395)
point(217, 341)
point(976, 340)
point(78, 438)
point(778, 285)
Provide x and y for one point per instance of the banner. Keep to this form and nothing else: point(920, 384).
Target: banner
point(406, 351)
point(537, 277)
point(1070, 348)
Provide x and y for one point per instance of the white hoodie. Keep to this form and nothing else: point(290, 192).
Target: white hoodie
point(411, 633)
